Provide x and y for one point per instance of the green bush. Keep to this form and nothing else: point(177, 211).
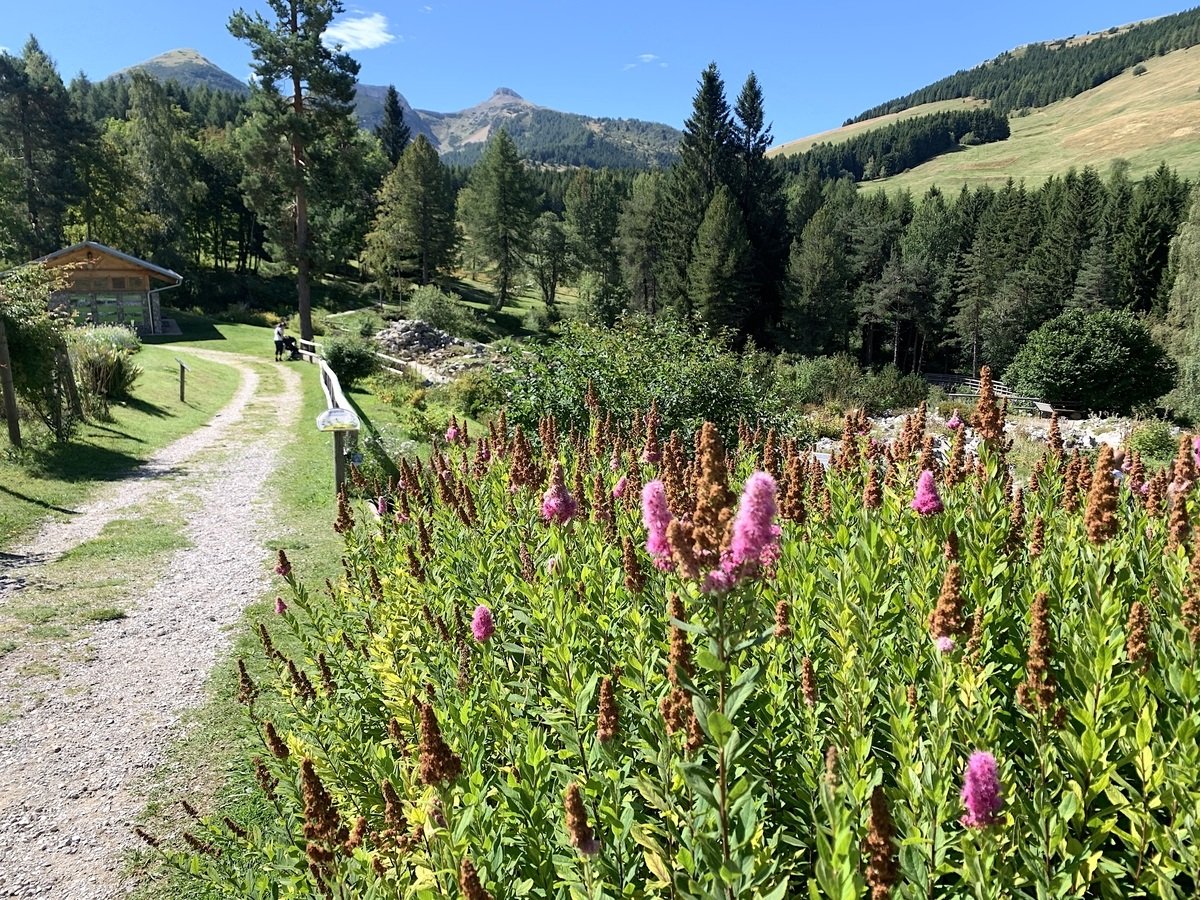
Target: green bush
point(102, 357)
point(1153, 438)
point(440, 309)
point(351, 359)
point(476, 393)
point(694, 377)
point(1101, 360)
point(840, 381)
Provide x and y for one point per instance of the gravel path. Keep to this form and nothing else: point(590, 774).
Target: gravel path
point(72, 770)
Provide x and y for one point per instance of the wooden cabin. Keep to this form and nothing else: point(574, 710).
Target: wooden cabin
point(108, 287)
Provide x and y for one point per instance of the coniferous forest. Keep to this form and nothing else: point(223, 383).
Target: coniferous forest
point(794, 254)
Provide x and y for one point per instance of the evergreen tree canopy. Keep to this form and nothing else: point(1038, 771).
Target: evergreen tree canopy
point(393, 132)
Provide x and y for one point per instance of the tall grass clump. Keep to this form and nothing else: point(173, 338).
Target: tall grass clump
point(624, 661)
point(102, 356)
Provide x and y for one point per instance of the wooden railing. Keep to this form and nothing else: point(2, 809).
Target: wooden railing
point(313, 351)
point(960, 387)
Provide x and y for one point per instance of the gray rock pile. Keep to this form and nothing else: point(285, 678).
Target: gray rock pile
point(415, 341)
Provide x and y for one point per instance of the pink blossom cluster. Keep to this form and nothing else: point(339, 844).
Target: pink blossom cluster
point(482, 625)
point(557, 503)
point(981, 791)
point(955, 422)
point(656, 516)
point(927, 502)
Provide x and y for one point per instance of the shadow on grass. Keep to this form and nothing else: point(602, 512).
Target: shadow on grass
point(86, 462)
point(116, 431)
point(150, 409)
point(25, 498)
point(192, 328)
point(389, 465)
point(508, 322)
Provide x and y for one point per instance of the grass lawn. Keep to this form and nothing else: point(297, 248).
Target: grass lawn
point(50, 480)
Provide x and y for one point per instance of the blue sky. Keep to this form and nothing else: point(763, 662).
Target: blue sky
point(819, 63)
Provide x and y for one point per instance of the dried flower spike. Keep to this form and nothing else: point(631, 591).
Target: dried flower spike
point(469, 883)
point(607, 717)
point(883, 868)
point(578, 829)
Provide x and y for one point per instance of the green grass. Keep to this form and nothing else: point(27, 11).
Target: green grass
point(845, 132)
point(51, 480)
point(1144, 120)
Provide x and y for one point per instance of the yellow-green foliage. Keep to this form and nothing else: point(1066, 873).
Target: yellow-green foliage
point(1099, 790)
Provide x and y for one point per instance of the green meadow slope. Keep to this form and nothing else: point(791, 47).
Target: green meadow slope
point(1143, 119)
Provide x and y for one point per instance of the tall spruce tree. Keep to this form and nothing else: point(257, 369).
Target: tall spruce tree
point(759, 188)
point(41, 131)
point(1182, 332)
point(393, 132)
point(592, 216)
point(497, 210)
point(705, 161)
point(414, 231)
point(637, 233)
point(720, 260)
point(316, 100)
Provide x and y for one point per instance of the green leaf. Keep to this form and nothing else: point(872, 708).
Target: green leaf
point(720, 729)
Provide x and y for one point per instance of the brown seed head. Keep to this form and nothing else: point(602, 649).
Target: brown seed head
point(607, 717)
point(808, 682)
point(1101, 513)
point(345, 519)
point(989, 420)
point(277, 746)
point(247, 690)
point(883, 868)
point(1137, 641)
point(1037, 692)
point(265, 779)
point(469, 883)
point(783, 627)
point(578, 830)
point(1179, 527)
point(635, 578)
point(439, 764)
point(946, 620)
point(872, 491)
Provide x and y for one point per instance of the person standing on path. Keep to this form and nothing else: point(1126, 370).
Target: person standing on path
point(279, 342)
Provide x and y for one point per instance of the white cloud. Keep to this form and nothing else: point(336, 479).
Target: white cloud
point(426, 9)
point(4, 50)
point(644, 59)
point(362, 32)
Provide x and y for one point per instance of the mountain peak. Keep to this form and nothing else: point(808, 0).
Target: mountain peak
point(506, 92)
point(189, 68)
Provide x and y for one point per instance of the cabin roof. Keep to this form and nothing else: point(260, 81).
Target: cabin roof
point(97, 247)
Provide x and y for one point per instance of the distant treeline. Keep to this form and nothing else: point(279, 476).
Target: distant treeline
point(1040, 74)
point(98, 101)
point(893, 149)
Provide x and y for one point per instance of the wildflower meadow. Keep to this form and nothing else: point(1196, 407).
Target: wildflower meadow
point(627, 663)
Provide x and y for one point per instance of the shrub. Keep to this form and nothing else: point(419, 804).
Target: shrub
point(351, 358)
point(441, 309)
point(839, 380)
point(582, 734)
point(476, 393)
point(1154, 438)
point(102, 357)
point(1139, 69)
point(1101, 360)
point(693, 377)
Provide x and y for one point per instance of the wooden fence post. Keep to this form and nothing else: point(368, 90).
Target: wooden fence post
point(182, 377)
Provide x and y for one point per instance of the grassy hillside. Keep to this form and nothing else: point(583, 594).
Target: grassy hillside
point(838, 135)
point(1145, 119)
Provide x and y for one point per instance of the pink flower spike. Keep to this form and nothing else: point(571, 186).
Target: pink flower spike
point(981, 791)
point(452, 435)
point(955, 422)
point(618, 490)
point(557, 503)
point(482, 625)
point(927, 502)
point(754, 530)
point(280, 606)
point(944, 644)
point(382, 506)
point(1196, 448)
point(656, 516)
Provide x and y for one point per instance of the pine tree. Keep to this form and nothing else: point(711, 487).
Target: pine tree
point(758, 186)
point(548, 256)
point(498, 210)
point(705, 161)
point(636, 235)
point(592, 217)
point(720, 261)
point(320, 84)
point(1182, 327)
point(414, 230)
point(393, 132)
point(40, 129)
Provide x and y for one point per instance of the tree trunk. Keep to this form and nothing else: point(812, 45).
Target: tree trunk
point(303, 264)
point(9, 390)
point(68, 376)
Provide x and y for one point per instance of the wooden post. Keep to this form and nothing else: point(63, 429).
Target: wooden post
point(339, 461)
point(9, 390)
point(182, 377)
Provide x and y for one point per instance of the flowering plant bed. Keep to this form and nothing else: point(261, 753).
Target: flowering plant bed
point(599, 665)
